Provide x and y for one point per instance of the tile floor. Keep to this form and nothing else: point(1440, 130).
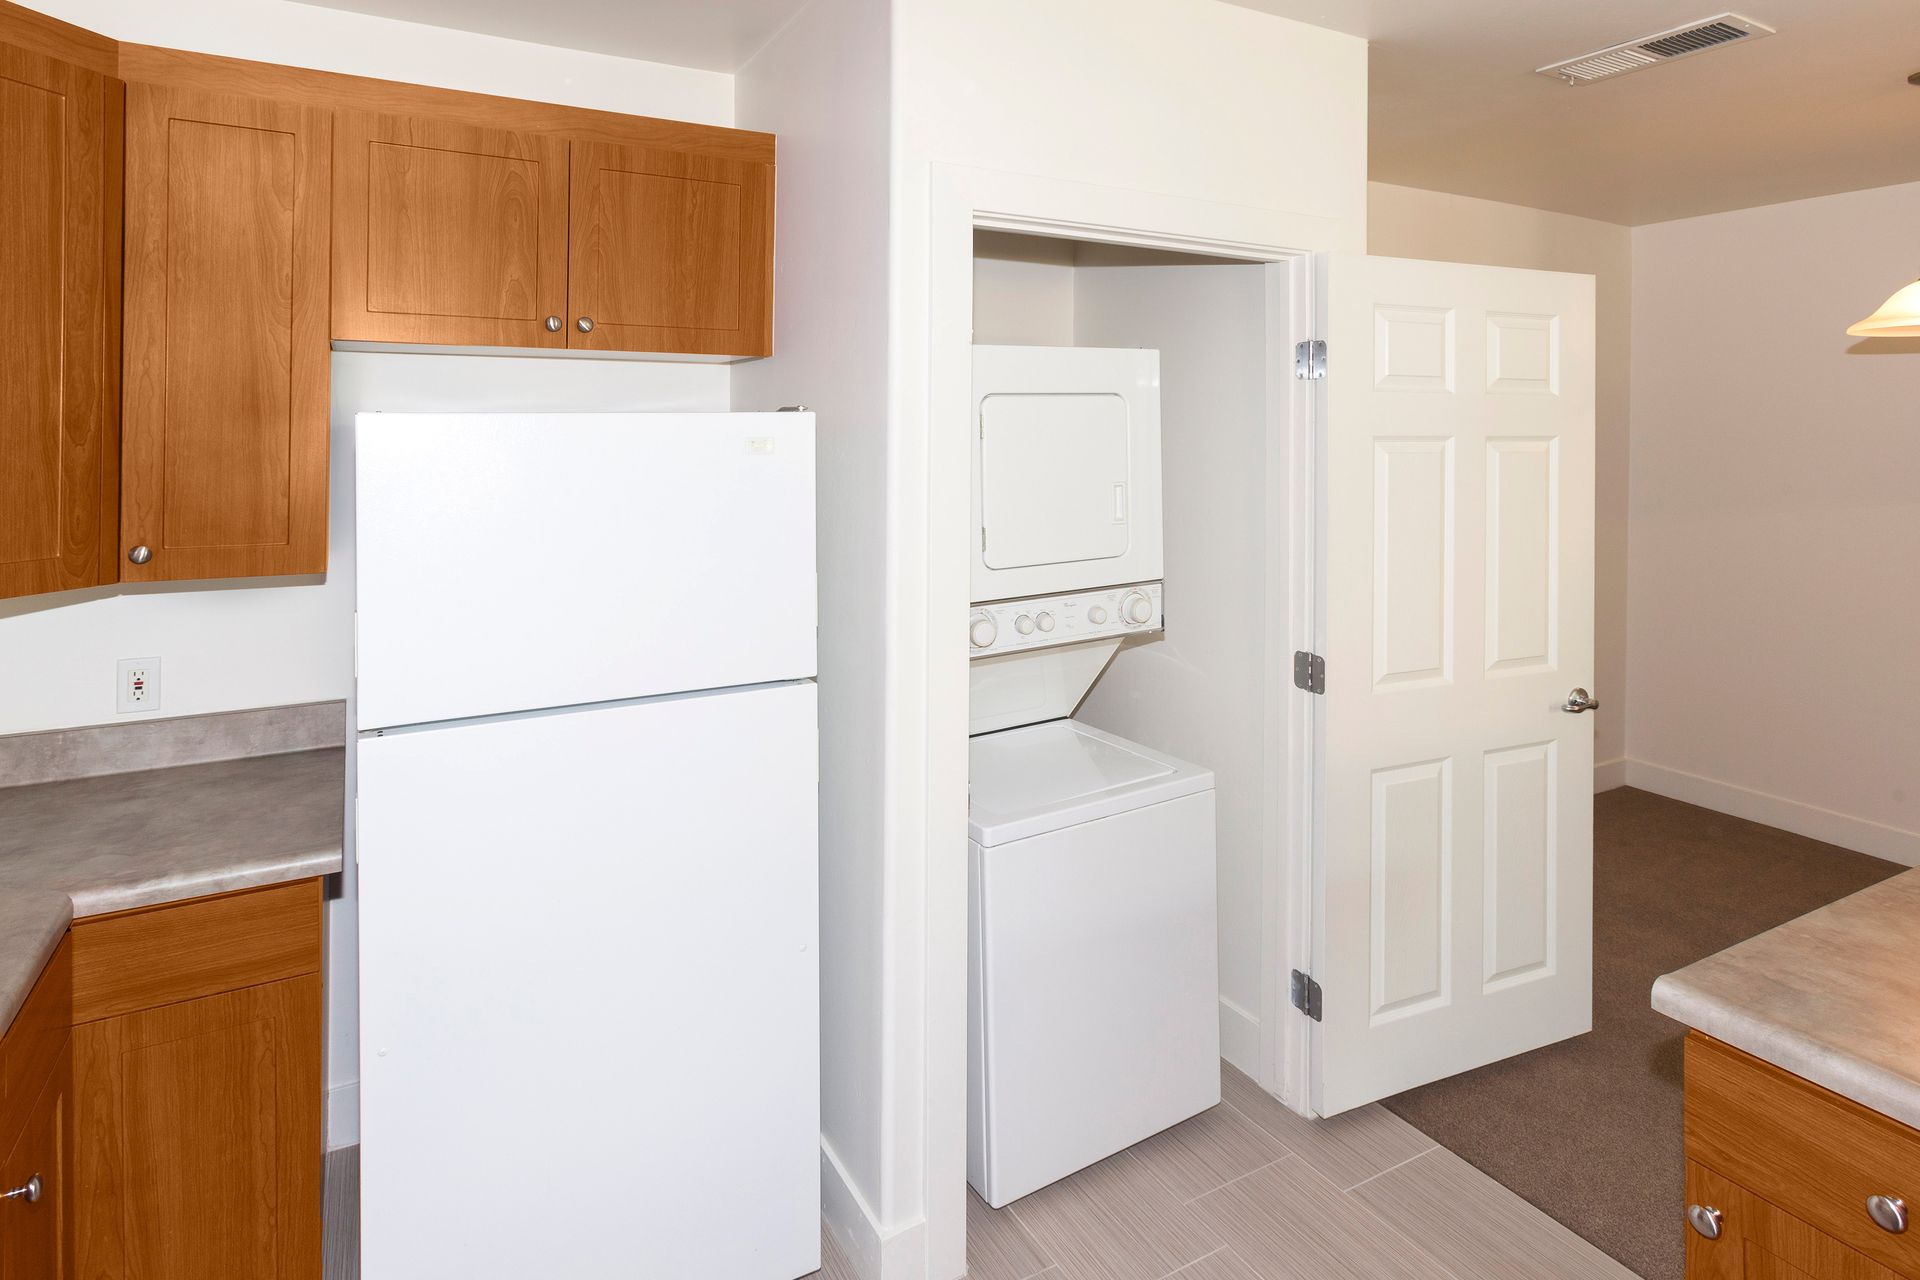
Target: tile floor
point(1246, 1191)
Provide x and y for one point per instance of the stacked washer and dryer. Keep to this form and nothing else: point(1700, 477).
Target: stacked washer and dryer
point(1092, 985)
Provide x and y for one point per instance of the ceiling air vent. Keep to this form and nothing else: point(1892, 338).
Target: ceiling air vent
point(1664, 46)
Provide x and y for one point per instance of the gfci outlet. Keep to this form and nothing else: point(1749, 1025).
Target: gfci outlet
point(138, 687)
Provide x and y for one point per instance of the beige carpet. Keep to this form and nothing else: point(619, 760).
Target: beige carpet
point(1589, 1130)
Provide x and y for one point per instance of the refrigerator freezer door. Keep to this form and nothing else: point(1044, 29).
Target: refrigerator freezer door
point(589, 993)
point(508, 562)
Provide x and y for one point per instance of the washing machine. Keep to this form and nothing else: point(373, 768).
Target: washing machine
point(1093, 1015)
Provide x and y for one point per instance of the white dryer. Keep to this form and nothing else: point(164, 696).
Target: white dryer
point(1093, 988)
point(1066, 469)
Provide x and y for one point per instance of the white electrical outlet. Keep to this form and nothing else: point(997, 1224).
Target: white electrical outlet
point(137, 685)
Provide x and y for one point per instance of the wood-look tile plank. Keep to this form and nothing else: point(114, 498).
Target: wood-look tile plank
point(340, 1216)
point(1476, 1227)
point(1114, 1221)
point(833, 1263)
point(998, 1247)
point(1222, 1264)
point(1347, 1150)
point(1288, 1223)
point(1208, 1151)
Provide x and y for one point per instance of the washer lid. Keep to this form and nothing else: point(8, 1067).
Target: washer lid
point(1042, 777)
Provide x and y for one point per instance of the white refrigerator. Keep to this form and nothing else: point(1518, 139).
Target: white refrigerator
point(586, 822)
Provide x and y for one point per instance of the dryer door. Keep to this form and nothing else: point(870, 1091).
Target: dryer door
point(1053, 478)
point(1066, 469)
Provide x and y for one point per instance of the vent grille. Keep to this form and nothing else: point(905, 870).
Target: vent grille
point(1663, 46)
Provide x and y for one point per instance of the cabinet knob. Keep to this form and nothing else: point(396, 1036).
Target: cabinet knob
point(584, 324)
point(1705, 1220)
point(1889, 1213)
point(29, 1191)
point(140, 554)
point(553, 324)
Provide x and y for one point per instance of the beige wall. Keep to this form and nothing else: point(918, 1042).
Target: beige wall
point(1403, 222)
point(1774, 606)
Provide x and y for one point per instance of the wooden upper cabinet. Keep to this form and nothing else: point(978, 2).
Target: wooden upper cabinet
point(449, 233)
point(56, 423)
point(224, 454)
point(670, 251)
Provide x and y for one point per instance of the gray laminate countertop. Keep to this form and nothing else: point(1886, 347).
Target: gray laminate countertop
point(87, 846)
point(1833, 997)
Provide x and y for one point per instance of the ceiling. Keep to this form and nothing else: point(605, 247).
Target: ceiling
point(1820, 107)
point(1823, 106)
point(713, 35)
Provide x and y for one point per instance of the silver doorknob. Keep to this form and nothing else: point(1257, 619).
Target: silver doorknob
point(1889, 1213)
point(1580, 700)
point(584, 324)
point(553, 324)
point(1705, 1219)
point(140, 554)
point(29, 1191)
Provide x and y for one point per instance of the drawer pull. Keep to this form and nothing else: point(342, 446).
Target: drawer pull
point(31, 1188)
point(1705, 1220)
point(1889, 1213)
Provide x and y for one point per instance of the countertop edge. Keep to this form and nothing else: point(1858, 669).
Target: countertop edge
point(1813, 1060)
point(54, 914)
point(279, 868)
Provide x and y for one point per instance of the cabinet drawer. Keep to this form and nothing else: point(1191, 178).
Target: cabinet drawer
point(155, 956)
point(1808, 1151)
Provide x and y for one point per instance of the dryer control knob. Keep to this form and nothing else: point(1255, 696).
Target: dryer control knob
point(984, 630)
point(1096, 615)
point(1023, 624)
point(1136, 608)
point(1044, 622)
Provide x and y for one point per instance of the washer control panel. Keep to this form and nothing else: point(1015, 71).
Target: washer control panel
point(1010, 626)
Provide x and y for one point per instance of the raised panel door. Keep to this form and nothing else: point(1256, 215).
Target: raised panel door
point(670, 251)
point(448, 233)
point(56, 425)
point(226, 360)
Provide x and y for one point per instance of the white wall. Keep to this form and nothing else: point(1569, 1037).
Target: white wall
point(1200, 692)
point(303, 35)
point(1775, 520)
point(1403, 222)
point(1187, 116)
point(822, 85)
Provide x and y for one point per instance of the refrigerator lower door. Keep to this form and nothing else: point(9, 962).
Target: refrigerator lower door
point(589, 993)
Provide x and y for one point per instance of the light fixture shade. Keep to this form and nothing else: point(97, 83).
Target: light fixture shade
point(1898, 317)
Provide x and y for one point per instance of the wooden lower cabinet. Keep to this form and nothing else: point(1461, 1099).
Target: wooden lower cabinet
point(201, 1147)
point(1788, 1167)
point(36, 1220)
point(197, 1090)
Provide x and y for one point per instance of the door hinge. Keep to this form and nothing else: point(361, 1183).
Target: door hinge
point(1306, 995)
point(1310, 360)
point(1309, 671)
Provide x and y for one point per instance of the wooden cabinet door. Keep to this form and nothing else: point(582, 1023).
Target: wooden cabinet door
point(670, 251)
point(199, 1152)
point(447, 233)
point(36, 1234)
point(224, 450)
point(56, 418)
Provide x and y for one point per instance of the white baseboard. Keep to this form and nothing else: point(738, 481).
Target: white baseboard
point(874, 1252)
point(343, 1115)
point(1240, 1038)
point(1609, 774)
point(1891, 843)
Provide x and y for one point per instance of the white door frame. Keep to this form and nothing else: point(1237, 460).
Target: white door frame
point(962, 200)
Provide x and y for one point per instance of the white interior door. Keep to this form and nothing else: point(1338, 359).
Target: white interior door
point(1454, 873)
